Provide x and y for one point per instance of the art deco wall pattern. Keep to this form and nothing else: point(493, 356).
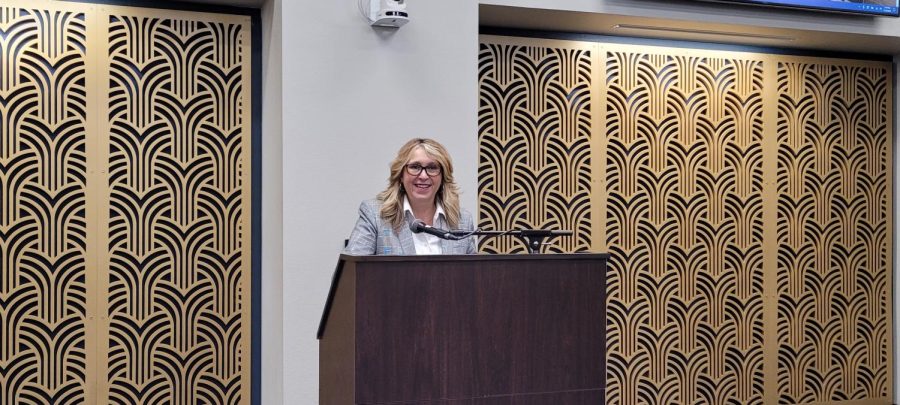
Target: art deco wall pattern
point(124, 205)
point(744, 199)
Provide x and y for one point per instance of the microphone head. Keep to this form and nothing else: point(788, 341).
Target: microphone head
point(417, 226)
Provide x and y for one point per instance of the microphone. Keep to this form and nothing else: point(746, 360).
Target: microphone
point(419, 226)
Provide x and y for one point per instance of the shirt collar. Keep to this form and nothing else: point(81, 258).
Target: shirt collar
point(437, 212)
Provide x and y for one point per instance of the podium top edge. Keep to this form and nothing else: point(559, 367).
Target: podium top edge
point(476, 257)
point(435, 259)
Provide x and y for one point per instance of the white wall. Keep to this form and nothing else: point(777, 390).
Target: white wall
point(352, 95)
point(272, 216)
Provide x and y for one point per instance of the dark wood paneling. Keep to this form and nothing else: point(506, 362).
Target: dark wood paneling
point(587, 397)
point(338, 344)
point(436, 329)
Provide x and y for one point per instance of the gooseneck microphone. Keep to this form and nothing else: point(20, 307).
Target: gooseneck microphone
point(533, 238)
point(418, 226)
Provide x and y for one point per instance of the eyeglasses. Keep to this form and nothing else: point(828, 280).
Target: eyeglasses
point(431, 170)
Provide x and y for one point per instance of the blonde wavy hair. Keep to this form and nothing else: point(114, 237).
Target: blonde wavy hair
point(448, 195)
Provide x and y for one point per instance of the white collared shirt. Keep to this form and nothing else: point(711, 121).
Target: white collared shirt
point(425, 244)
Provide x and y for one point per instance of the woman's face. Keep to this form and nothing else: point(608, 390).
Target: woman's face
point(421, 188)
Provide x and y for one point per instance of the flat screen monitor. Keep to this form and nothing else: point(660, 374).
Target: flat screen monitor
point(869, 7)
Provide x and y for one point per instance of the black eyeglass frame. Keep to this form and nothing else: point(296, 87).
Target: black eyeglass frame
point(415, 169)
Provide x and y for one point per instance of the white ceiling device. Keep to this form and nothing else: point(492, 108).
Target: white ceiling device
point(385, 13)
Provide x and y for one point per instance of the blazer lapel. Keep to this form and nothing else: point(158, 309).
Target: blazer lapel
point(446, 245)
point(407, 245)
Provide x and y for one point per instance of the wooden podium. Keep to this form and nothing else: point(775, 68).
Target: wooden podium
point(475, 329)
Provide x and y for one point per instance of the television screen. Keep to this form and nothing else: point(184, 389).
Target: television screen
point(871, 7)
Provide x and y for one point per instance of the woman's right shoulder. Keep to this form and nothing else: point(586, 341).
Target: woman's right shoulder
point(372, 203)
point(371, 207)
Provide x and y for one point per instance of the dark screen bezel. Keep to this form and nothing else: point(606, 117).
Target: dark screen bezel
point(778, 4)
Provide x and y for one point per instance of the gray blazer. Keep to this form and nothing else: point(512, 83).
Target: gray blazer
point(373, 236)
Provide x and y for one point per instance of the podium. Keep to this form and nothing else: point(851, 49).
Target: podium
point(473, 329)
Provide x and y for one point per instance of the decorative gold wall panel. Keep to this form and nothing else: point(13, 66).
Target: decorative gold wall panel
point(744, 199)
point(43, 178)
point(684, 226)
point(534, 157)
point(178, 238)
point(834, 257)
point(124, 205)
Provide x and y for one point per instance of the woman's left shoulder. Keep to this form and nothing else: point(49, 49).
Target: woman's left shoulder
point(465, 219)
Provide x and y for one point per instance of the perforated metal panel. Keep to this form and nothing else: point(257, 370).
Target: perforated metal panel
point(744, 198)
point(125, 224)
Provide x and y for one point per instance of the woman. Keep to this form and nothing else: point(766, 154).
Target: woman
point(420, 187)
